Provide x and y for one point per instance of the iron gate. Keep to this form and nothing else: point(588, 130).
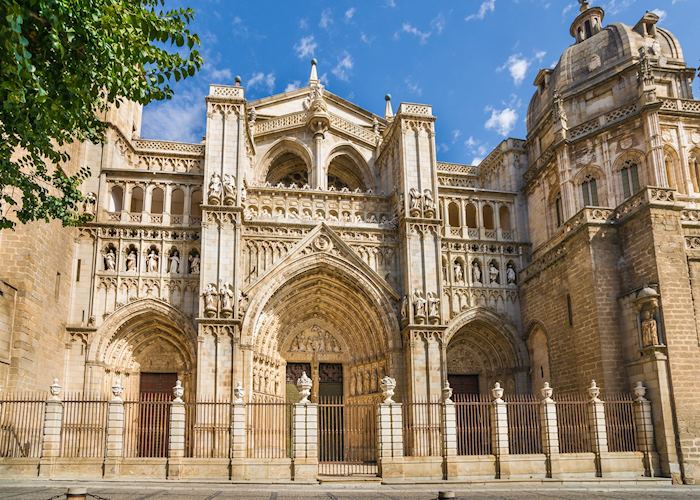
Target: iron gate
point(347, 437)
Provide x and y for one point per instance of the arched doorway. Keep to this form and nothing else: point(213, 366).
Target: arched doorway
point(482, 349)
point(538, 347)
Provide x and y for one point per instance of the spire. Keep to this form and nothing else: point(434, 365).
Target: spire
point(388, 112)
point(313, 77)
point(584, 5)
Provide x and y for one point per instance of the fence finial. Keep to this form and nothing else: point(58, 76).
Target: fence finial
point(497, 392)
point(238, 393)
point(117, 389)
point(178, 391)
point(640, 391)
point(304, 386)
point(387, 385)
point(447, 393)
point(547, 392)
point(594, 391)
point(55, 389)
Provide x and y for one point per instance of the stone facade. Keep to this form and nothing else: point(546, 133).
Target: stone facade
point(306, 232)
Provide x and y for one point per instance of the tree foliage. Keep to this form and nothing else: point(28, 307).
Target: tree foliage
point(62, 62)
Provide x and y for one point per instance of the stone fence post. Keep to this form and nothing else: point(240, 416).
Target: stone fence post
point(176, 440)
point(550, 431)
point(599, 433)
point(644, 425)
point(238, 433)
point(115, 431)
point(390, 432)
point(305, 433)
point(499, 432)
point(53, 419)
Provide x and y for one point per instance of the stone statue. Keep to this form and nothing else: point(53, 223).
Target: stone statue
point(414, 209)
point(511, 277)
point(152, 262)
point(215, 189)
point(476, 272)
point(242, 303)
point(433, 305)
point(404, 307)
point(229, 189)
point(252, 116)
point(131, 261)
point(174, 262)
point(558, 111)
point(244, 191)
point(194, 263)
point(89, 203)
point(428, 203)
point(110, 260)
point(419, 304)
point(458, 272)
point(493, 273)
point(650, 334)
point(238, 393)
point(226, 294)
point(210, 297)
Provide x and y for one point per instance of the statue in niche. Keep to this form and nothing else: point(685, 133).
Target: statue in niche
point(89, 203)
point(110, 260)
point(404, 307)
point(242, 303)
point(210, 297)
point(194, 263)
point(650, 333)
point(226, 294)
point(433, 305)
point(174, 262)
point(476, 272)
point(214, 189)
point(229, 189)
point(511, 277)
point(252, 116)
point(493, 273)
point(458, 272)
point(244, 191)
point(414, 209)
point(419, 304)
point(152, 262)
point(131, 261)
point(558, 111)
point(428, 203)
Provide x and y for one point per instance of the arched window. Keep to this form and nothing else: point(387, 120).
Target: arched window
point(694, 168)
point(344, 173)
point(629, 175)
point(471, 215)
point(196, 204)
point(288, 168)
point(177, 202)
point(116, 197)
point(453, 214)
point(539, 354)
point(670, 177)
point(136, 200)
point(558, 210)
point(488, 216)
point(589, 190)
point(157, 201)
point(504, 218)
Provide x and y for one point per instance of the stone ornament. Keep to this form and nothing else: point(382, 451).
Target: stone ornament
point(447, 393)
point(647, 302)
point(415, 207)
point(210, 300)
point(419, 306)
point(226, 294)
point(316, 339)
point(304, 386)
point(497, 392)
point(131, 261)
point(547, 392)
point(117, 389)
point(214, 197)
point(238, 393)
point(152, 262)
point(55, 389)
point(433, 307)
point(387, 386)
point(594, 391)
point(178, 392)
point(174, 259)
point(89, 203)
point(640, 391)
point(428, 204)
point(194, 263)
point(494, 274)
point(110, 260)
point(458, 272)
point(476, 272)
point(421, 205)
point(229, 189)
point(404, 308)
point(511, 276)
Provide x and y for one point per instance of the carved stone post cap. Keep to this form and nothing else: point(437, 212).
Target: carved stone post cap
point(447, 393)
point(388, 385)
point(640, 391)
point(55, 388)
point(178, 391)
point(594, 391)
point(547, 392)
point(304, 386)
point(117, 389)
point(497, 392)
point(238, 393)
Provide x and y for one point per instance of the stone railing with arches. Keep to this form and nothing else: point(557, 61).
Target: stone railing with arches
point(294, 120)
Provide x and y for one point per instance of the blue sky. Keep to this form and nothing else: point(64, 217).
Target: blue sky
point(474, 60)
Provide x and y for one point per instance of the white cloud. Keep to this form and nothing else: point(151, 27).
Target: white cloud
point(350, 13)
point(366, 39)
point(517, 66)
point(412, 30)
point(567, 8)
point(326, 19)
point(292, 86)
point(413, 86)
point(342, 69)
point(443, 148)
point(501, 120)
point(220, 75)
point(659, 12)
point(486, 7)
point(303, 23)
point(476, 148)
point(306, 47)
point(616, 6)
point(456, 134)
point(476, 160)
point(179, 119)
point(391, 3)
point(438, 23)
point(261, 79)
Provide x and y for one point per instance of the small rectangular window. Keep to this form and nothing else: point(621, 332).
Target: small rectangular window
point(77, 271)
point(635, 178)
point(557, 204)
point(569, 310)
point(625, 183)
point(57, 287)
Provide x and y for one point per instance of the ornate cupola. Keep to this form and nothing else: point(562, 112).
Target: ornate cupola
point(587, 23)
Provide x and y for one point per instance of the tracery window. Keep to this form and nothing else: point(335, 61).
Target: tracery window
point(629, 174)
point(589, 190)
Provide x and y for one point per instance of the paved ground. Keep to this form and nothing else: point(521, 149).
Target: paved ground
point(44, 490)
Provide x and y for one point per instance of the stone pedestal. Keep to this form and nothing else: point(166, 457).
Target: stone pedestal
point(238, 441)
point(305, 441)
point(51, 443)
point(599, 433)
point(115, 438)
point(176, 441)
point(390, 440)
point(550, 437)
point(644, 426)
point(499, 438)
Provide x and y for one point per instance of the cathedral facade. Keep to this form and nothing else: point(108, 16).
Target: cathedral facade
point(305, 234)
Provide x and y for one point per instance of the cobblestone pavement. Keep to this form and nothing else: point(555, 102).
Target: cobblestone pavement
point(44, 490)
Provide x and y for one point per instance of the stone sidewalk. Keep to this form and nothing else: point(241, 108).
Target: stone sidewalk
point(44, 490)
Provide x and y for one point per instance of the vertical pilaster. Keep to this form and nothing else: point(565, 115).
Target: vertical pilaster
point(644, 427)
point(596, 419)
point(115, 432)
point(550, 431)
point(176, 439)
point(51, 439)
point(238, 434)
point(305, 441)
point(499, 432)
point(390, 440)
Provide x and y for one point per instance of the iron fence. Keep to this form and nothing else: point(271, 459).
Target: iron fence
point(147, 426)
point(473, 413)
point(208, 429)
point(83, 427)
point(268, 430)
point(619, 422)
point(573, 423)
point(524, 425)
point(21, 425)
point(423, 427)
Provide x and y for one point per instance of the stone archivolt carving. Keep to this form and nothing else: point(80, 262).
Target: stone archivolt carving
point(315, 339)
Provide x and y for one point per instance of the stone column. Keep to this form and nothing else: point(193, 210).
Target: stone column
point(305, 434)
point(499, 432)
point(51, 441)
point(550, 431)
point(238, 434)
point(599, 434)
point(167, 204)
point(390, 432)
point(176, 441)
point(644, 425)
point(115, 431)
